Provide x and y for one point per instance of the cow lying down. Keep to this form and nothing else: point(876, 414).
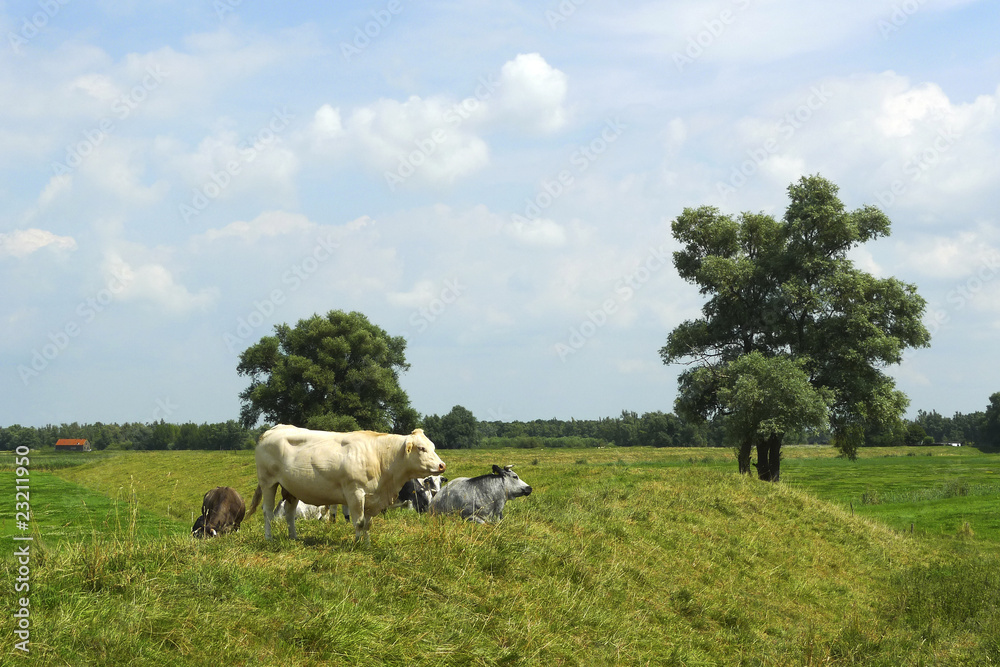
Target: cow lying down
point(222, 511)
point(417, 493)
point(302, 511)
point(480, 499)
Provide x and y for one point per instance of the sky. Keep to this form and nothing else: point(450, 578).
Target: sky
point(493, 181)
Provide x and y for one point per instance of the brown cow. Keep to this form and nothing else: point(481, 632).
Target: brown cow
point(222, 511)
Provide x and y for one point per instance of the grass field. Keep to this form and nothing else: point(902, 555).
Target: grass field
point(620, 556)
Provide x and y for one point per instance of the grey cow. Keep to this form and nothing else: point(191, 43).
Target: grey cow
point(482, 498)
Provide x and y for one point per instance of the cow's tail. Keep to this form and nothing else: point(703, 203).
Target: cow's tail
point(257, 495)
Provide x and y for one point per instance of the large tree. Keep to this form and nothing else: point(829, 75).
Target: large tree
point(821, 330)
point(333, 372)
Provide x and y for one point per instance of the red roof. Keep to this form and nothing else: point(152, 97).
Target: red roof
point(68, 442)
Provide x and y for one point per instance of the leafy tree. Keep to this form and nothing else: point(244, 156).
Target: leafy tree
point(915, 434)
point(762, 399)
point(991, 422)
point(333, 372)
point(785, 289)
point(657, 429)
point(458, 429)
point(163, 436)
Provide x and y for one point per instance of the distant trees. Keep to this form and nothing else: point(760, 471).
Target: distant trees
point(335, 372)
point(786, 291)
point(629, 429)
point(134, 436)
point(652, 429)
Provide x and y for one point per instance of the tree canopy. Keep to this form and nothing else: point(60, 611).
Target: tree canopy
point(820, 331)
point(335, 372)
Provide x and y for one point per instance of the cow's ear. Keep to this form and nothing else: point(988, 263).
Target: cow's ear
point(497, 470)
point(409, 444)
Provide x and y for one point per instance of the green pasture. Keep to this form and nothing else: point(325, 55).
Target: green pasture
point(63, 511)
point(633, 556)
point(935, 491)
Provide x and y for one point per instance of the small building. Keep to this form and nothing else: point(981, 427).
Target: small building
point(72, 445)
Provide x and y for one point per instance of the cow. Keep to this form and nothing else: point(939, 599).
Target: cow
point(302, 510)
point(361, 469)
point(417, 493)
point(482, 498)
point(222, 511)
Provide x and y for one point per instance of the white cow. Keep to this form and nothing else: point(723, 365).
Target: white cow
point(302, 511)
point(361, 469)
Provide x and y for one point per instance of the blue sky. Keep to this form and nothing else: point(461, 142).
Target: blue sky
point(493, 181)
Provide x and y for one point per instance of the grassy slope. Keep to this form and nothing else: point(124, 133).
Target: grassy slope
point(620, 556)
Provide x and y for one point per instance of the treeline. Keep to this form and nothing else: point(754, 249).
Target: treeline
point(459, 429)
point(134, 436)
point(970, 429)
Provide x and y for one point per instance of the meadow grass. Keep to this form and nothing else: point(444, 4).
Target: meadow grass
point(638, 556)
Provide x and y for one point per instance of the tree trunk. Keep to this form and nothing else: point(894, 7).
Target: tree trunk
point(743, 456)
point(769, 458)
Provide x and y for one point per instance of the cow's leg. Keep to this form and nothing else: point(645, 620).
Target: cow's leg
point(267, 499)
point(356, 506)
point(291, 503)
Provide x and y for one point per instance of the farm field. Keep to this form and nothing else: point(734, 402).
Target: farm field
point(620, 556)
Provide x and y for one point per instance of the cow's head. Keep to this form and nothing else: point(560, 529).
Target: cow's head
point(513, 485)
point(420, 450)
point(200, 530)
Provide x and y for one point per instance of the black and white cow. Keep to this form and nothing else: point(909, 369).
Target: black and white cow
point(482, 498)
point(222, 511)
point(417, 493)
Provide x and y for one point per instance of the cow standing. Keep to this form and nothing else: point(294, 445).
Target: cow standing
point(361, 469)
point(222, 511)
point(482, 498)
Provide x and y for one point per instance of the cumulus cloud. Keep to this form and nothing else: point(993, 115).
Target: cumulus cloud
point(152, 282)
point(538, 233)
point(440, 139)
point(22, 242)
point(327, 124)
point(422, 293)
point(417, 139)
point(267, 224)
point(899, 143)
point(532, 95)
point(231, 163)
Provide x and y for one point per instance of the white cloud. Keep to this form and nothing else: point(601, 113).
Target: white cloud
point(950, 257)
point(438, 139)
point(416, 139)
point(532, 95)
point(152, 282)
point(57, 185)
point(232, 164)
point(327, 123)
point(879, 136)
point(539, 233)
point(267, 224)
point(422, 293)
point(22, 242)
